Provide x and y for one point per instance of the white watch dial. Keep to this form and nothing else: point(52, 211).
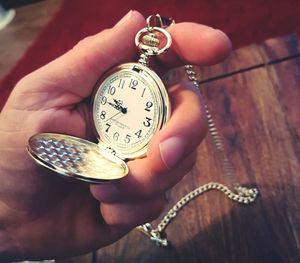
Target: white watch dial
point(128, 109)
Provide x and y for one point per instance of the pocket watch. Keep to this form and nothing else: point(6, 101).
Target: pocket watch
point(130, 104)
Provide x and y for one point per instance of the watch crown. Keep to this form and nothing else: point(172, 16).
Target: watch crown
point(149, 45)
point(150, 40)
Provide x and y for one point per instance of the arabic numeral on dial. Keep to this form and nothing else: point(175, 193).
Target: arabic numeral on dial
point(147, 122)
point(103, 100)
point(139, 134)
point(116, 136)
point(121, 83)
point(102, 115)
point(108, 127)
point(149, 104)
point(127, 138)
point(133, 83)
point(143, 92)
point(111, 90)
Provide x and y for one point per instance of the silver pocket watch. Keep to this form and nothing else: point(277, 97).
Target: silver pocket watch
point(130, 104)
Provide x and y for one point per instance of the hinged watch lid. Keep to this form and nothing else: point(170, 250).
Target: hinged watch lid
point(76, 158)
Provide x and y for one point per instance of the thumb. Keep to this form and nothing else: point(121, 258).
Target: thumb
point(170, 152)
point(182, 133)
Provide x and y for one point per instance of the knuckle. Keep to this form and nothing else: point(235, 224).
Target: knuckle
point(25, 82)
point(89, 40)
point(83, 43)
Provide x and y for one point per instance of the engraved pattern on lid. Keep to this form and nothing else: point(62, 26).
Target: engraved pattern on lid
point(75, 157)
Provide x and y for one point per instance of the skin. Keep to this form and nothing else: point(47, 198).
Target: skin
point(45, 216)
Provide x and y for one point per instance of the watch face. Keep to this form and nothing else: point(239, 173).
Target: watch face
point(130, 105)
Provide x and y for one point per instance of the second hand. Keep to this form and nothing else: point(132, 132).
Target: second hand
point(113, 116)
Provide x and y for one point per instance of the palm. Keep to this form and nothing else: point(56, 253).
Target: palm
point(50, 196)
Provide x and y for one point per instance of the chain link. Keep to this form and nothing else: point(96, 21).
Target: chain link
point(238, 193)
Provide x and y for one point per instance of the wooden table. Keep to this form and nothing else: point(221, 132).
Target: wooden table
point(254, 97)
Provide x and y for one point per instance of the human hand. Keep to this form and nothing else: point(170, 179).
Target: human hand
point(44, 216)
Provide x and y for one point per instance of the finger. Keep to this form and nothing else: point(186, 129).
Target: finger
point(195, 44)
point(78, 70)
point(182, 133)
point(168, 148)
point(150, 182)
point(131, 190)
point(129, 215)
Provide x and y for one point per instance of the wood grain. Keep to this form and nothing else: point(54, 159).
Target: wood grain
point(244, 59)
point(256, 112)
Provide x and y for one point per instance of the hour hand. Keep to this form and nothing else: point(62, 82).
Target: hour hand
point(117, 105)
point(123, 109)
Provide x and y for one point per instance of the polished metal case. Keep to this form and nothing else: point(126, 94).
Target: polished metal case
point(163, 107)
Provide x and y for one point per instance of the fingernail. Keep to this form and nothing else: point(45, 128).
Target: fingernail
point(171, 150)
point(105, 193)
point(125, 18)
